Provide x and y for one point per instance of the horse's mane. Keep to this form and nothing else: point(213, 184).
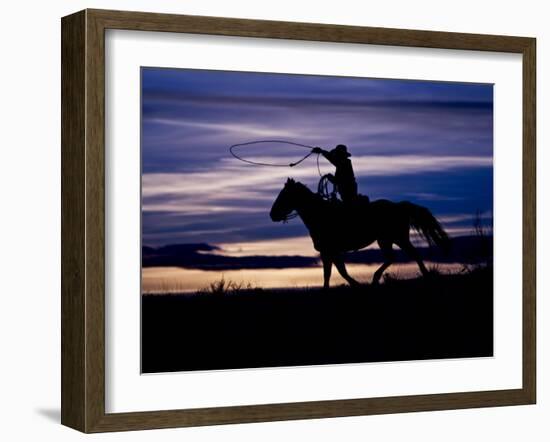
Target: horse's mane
point(304, 189)
point(302, 186)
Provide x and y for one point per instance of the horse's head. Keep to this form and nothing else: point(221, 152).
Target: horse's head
point(285, 202)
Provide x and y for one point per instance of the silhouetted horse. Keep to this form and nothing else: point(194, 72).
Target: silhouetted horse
point(336, 227)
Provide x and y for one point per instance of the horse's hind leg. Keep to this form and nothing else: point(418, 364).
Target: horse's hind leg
point(410, 250)
point(341, 267)
point(327, 269)
point(387, 251)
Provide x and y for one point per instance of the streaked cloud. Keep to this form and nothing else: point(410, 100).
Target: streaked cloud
point(428, 142)
point(225, 128)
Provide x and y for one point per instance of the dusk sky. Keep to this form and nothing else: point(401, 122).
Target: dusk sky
point(427, 142)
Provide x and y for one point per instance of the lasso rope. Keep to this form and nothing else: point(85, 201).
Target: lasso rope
point(323, 188)
point(323, 184)
point(258, 163)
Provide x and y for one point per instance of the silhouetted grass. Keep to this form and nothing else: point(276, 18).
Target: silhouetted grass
point(231, 326)
point(226, 287)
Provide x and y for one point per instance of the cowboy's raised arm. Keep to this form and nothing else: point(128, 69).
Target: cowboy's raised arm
point(325, 153)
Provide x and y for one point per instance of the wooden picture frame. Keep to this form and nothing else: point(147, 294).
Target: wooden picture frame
point(83, 220)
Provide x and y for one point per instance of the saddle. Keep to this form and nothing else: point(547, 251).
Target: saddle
point(360, 200)
point(357, 207)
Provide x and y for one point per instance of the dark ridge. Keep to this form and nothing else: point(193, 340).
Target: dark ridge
point(465, 249)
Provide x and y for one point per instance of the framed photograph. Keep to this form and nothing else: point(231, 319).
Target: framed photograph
point(269, 220)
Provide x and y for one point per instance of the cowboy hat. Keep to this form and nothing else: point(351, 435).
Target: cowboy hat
point(341, 150)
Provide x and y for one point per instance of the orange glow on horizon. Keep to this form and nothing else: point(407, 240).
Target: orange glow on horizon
point(181, 280)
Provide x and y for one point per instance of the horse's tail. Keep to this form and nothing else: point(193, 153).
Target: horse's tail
point(422, 220)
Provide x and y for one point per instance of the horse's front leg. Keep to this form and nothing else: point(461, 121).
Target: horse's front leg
point(327, 269)
point(341, 267)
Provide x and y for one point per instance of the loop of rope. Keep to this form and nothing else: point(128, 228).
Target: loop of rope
point(324, 188)
point(258, 163)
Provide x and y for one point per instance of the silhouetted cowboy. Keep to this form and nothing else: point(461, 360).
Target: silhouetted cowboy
point(344, 178)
